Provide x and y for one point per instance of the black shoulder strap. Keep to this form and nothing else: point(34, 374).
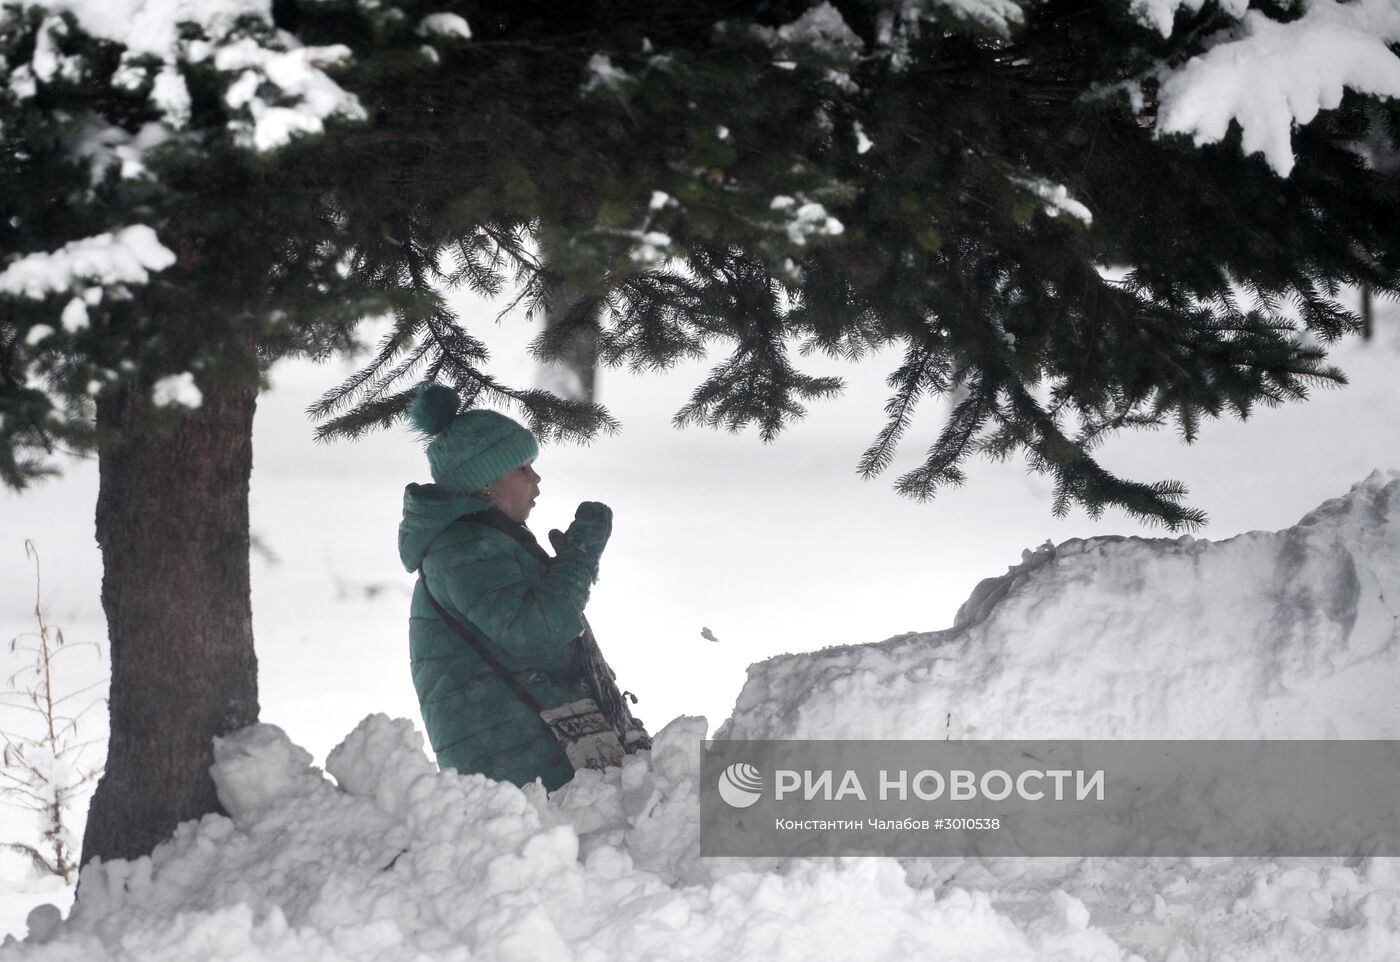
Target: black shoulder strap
point(596, 673)
point(494, 517)
point(473, 638)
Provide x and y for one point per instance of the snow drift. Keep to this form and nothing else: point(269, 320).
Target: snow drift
point(1288, 634)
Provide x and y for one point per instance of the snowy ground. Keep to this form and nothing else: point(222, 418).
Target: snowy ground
point(1294, 634)
point(783, 550)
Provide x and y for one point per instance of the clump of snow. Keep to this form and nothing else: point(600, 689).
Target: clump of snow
point(444, 25)
point(863, 142)
point(378, 757)
point(152, 26)
point(75, 315)
point(102, 145)
point(124, 257)
point(806, 219)
point(296, 73)
point(305, 96)
point(821, 29)
point(998, 16)
point(22, 84)
point(1057, 200)
point(603, 74)
point(652, 247)
point(48, 63)
point(257, 767)
point(129, 75)
point(1160, 14)
point(43, 921)
point(177, 390)
point(1271, 75)
point(171, 96)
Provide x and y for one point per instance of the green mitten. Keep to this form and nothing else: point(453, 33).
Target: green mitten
point(587, 536)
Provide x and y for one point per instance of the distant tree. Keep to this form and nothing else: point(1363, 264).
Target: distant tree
point(1073, 216)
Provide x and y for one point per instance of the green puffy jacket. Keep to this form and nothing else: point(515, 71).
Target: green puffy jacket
point(529, 613)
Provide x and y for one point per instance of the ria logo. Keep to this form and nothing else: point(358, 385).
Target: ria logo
point(741, 785)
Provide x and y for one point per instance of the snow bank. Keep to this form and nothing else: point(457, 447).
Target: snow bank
point(398, 862)
point(1276, 634)
point(1288, 634)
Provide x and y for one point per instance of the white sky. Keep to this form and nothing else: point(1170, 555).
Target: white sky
point(775, 548)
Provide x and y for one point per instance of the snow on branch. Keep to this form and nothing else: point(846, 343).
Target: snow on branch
point(1160, 14)
point(280, 83)
point(805, 219)
point(1057, 199)
point(1260, 73)
point(124, 257)
point(444, 25)
point(603, 74)
point(152, 26)
point(295, 73)
point(998, 16)
point(1271, 75)
point(821, 29)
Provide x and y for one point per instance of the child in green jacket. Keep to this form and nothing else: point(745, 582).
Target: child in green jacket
point(465, 535)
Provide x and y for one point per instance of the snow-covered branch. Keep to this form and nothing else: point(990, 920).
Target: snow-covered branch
point(86, 267)
point(1268, 76)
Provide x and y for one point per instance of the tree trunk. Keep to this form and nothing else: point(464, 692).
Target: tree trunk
point(574, 375)
point(172, 523)
point(1368, 317)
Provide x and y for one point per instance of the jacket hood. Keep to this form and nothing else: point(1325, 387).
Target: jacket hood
point(427, 510)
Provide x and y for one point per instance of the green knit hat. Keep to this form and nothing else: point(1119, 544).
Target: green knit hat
point(469, 449)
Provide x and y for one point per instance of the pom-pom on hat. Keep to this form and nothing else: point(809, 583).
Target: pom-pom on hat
point(469, 449)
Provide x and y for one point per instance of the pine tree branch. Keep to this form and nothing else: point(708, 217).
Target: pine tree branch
point(390, 347)
point(953, 445)
point(911, 381)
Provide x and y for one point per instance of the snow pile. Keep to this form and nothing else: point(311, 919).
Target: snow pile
point(1264, 635)
point(400, 862)
point(1289, 634)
